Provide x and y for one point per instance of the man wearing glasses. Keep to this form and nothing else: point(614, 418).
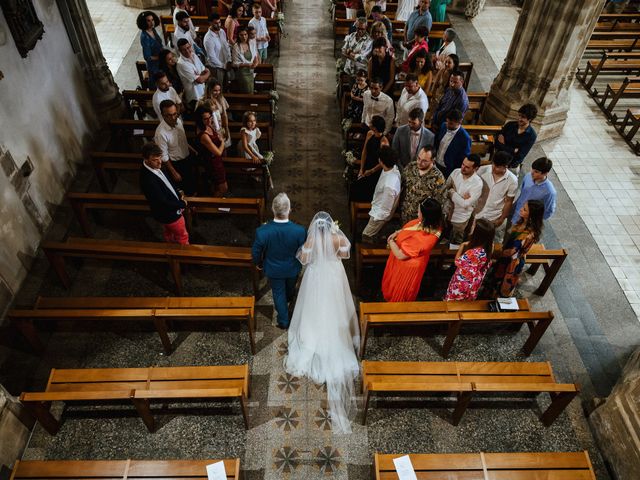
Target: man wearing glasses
point(355, 48)
point(176, 152)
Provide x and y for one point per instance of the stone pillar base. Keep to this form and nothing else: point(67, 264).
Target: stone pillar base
point(145, 4)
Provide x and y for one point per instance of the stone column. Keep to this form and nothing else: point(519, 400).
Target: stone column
point(547, 45)
point(103, 89)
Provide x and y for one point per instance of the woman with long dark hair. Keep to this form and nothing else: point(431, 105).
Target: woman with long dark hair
point(150, 40)
point(232, 23)
point(472, 262)
point(168, 63)
point(517, 243)
point(410, 251)
point(245, 60)
point(211, 149)
point(421, 66)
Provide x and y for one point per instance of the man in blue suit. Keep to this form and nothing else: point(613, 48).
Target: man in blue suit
point(274, 250)
point(453, 143)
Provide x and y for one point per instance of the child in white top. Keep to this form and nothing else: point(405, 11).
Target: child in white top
point(250, 134)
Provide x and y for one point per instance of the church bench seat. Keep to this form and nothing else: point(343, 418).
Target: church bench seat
point(551, 260)
point(119, 310)
point(120, 469)
point(174, 255)
point(139, 102)
point(466, 381)
point(626, 63)
point(82, 202)
point(497, 466)
point(139, 386)
point(614, 92)
point(105, 163)
point(608, 41)
point(454, 314)
point(124, 130)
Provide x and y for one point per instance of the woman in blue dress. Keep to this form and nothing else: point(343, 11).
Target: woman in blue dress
point(151, 42)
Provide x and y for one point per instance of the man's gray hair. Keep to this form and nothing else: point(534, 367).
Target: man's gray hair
point(281, 206)
point(451, 34)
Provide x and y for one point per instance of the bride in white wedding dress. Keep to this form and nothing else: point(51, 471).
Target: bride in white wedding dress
point(405, 7)
point(324, 336)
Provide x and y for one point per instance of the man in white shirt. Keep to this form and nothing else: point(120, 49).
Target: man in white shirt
point(181, 7)
point(176, 154)
point(217, 47)
point(464, 188)
point(164, 91)
point(376, 102)
point(386, 195)
point(500, 187)
point(412, 96)
point(182, 30)
point(262, 32)
point(192, 73)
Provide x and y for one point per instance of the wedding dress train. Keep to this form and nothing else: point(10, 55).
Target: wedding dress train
point(324, 335)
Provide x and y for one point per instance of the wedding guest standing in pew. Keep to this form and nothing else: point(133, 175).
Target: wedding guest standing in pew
point(218, 50)
point(500, 188)
point(370, 169)
point(410, 138)
point(164, 91)
point(537, 186)
point(356, 47)
point(166, 202)
point(356, 105)
point(421, 66)
point(245, 60)
point(454, 98)
point(193, 74)
point(519, 239)
point(464, 188)
point(518, 136)
point(376, 102)
point(183, 30)
point(211, 150)
point(472, 263)
point(377, 15)
point(262, 33)
point(176, 152)
point(440, 83)
point(150, 40)
point(419, 18)
point(447, 48)
point(168, 62)
point(420, 180)
point(412, 96)
point(381, 65)
point(385, 197)
point(419, 44)
point(214, 98)
point(453, 143)
point(232, 22)
point(410, 251)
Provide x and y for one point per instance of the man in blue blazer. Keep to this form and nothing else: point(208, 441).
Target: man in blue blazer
point(453, 143)
point(410, 138)
point(274, 250)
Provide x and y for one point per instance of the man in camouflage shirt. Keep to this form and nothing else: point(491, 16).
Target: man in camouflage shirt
point(420, 180)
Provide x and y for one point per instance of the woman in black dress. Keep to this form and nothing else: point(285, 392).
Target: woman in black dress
point(381, 65)
point(370, 169)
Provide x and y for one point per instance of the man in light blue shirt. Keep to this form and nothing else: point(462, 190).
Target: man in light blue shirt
point(536, 186)
point(419, 17)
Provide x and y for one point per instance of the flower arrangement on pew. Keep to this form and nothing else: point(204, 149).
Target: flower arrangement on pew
point(346, 125)
point(275, 97)
point(281, 23)
point(267, 160)
point(350, 175)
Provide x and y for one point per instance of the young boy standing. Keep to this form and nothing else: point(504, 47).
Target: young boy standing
point(262, 33)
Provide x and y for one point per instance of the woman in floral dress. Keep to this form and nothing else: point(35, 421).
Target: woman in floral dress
point(472, 262)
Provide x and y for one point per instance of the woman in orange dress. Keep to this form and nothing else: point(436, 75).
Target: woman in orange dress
point(410, 251)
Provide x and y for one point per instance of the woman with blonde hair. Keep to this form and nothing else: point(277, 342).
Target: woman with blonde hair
point(214, 98)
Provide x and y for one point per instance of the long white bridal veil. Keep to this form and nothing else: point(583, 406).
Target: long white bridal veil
point(324, 335)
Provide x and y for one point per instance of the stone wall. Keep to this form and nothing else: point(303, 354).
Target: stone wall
point(46, 117)
point(14, 433)
point(616, 423)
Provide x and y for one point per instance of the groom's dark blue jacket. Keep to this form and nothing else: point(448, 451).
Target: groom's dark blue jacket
point(275, 248)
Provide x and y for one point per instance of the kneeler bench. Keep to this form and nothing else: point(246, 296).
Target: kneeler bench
point(551, 260)
point(455, 314)
point(466, 381)
point(172, 254)
point(491, 466)
point(159, 310)
point(139, 386)
point(120, 469)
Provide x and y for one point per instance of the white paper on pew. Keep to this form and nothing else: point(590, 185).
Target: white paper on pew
point(454, 246)
point(404, 468)
point(137, 131)
point(216, 471)
point(509, 303)
point(224, 209)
